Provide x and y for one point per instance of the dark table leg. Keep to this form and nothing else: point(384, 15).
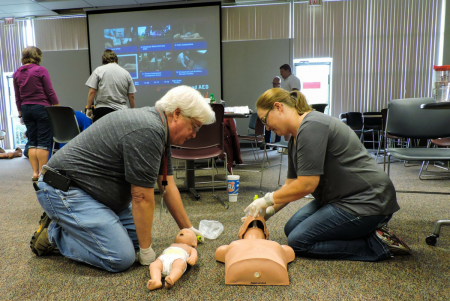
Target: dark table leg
point(190, 178)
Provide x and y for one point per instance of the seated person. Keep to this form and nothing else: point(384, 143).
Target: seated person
point(255, 260)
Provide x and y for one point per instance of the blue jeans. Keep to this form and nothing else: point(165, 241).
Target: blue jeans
point(87, 231)
point(328, 232)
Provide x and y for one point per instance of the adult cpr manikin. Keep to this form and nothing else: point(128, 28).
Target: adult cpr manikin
point(254, 259)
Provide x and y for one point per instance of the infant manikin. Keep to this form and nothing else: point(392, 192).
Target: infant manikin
point(173, 261)
point(255, 260)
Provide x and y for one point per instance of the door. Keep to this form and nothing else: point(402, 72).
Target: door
point(315, 79)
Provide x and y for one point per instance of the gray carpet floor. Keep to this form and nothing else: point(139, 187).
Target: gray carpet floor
point(425, 275)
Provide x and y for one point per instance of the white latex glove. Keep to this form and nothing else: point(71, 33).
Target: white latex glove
point(146, 256)
point(197, 233)
point(258, 206)
point(90, 113)
point(270, 211)
point(267, 213)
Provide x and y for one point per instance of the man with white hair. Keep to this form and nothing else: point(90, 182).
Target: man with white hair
point(98, 191)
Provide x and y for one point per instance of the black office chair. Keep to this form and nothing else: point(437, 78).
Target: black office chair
point(319, 107)
point(355, 122)
point(407, 120)
point(64, 124)
point(373, 122)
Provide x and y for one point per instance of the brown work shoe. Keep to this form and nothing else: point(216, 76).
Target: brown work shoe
point(40, 244)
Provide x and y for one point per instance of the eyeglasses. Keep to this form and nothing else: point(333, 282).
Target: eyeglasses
point(195, 127)
point(264, 119)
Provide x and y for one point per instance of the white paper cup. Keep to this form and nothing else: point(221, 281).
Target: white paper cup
point(232, 198)
point(233, 188)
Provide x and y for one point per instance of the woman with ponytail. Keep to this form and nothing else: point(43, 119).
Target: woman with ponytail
point(353, 198)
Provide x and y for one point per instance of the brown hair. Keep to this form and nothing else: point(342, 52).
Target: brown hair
point(294, 99)
point(286, 67)
point(31, 55)
point(109, 56)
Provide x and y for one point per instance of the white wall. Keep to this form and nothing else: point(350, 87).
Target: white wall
point(68, 70)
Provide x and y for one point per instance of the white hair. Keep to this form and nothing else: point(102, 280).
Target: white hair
point(190, 102)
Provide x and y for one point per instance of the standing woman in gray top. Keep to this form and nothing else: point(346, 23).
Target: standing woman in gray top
point(111, 86)
point(353, 198)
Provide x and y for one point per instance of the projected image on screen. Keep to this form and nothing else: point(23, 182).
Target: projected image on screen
point(129, 62)
point(162, 48)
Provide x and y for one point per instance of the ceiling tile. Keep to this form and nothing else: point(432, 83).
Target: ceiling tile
point(21, 8)
point(12, 2)
point(2, 16)
point(97, 3)
point(64, 4)
point(37, 13)
point(153, 1)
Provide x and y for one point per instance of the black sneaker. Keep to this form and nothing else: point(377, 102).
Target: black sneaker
point(261, 146)
point(394, 243)
point(40, 244)
point(275, 147)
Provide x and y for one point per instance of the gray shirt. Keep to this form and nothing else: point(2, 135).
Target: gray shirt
point(113, 84)
point(122, 148)
point(349, 177)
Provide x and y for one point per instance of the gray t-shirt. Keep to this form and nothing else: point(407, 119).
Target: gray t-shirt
point(122, 148)
point(113, 84)
point(349, 177)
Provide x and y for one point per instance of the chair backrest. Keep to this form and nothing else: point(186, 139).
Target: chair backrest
point(384, 113)
point(407, 120)
point(252, 121)
point(63, 122)
point(319, 107)
point(354, 120)
point(259, 130)
point(209, 135)
point(372, 120)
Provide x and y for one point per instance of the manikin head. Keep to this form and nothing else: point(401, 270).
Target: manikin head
point(187, 237)
point(254, 228)
point(254, 233)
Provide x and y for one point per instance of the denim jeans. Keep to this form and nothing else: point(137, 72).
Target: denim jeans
point(328, 232)
point(39, 131)
point(85, 230)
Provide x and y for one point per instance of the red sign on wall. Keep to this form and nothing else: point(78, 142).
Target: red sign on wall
point(314, 2)
point(311, 85)
point(8, 21)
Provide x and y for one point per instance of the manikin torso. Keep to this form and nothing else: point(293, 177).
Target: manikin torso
point(254, 260)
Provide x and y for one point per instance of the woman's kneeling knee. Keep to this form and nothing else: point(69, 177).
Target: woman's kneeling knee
point(299, 247)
